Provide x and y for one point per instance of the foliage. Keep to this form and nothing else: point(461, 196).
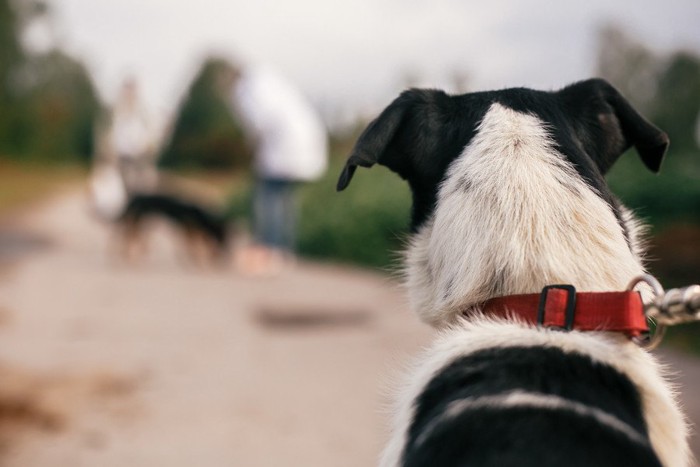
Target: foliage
point(10, 49)
point(662, 199)
point(206, 133)
point(365, 224)
point(59, 106)
point(667, 90)
point(48, 100)
point(629, 65)
point(677, 103)
point(11, 57)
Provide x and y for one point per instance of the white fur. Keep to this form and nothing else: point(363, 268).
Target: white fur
point(513, 216)
point(636, 231)
point(666, 424)
point(534, 400)
point(526, 220)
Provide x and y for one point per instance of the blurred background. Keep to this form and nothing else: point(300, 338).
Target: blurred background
point(162, 362)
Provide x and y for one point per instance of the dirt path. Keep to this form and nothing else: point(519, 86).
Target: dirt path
point(165, 365)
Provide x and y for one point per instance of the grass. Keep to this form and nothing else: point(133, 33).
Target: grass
point(22, 183)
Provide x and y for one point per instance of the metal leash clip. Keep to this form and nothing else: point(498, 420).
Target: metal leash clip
point(667, 308)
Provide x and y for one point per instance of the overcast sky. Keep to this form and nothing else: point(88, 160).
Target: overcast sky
point(356, 54)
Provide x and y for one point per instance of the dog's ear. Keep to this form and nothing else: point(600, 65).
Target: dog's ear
point(649, 141)
point(376, 143)
point(373, 141)
point(622, 126)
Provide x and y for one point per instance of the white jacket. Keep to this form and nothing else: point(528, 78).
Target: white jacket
point(291, 142)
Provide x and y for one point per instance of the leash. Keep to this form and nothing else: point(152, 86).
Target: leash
point(667, 307)
point(561, 307)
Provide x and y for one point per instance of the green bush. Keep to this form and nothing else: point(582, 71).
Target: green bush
point(363, 225)
point(671, 196)
point(206, 133)
point(366, 224)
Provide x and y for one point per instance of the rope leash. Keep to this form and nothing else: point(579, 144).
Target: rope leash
point(667, 307)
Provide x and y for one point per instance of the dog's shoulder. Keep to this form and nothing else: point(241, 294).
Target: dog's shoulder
point(598, 382)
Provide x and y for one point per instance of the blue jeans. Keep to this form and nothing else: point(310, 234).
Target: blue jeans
point(275, 213)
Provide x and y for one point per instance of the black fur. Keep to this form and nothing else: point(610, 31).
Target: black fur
point(423, 131)
point(510, 436)
point(190, 217)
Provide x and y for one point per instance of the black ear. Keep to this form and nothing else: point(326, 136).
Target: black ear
point(375, 139)
point(649, 141)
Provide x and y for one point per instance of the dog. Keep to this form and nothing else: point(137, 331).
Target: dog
point(206, 233)
point(509, 197)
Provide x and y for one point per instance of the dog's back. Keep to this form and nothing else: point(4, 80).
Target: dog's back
point(528, 406)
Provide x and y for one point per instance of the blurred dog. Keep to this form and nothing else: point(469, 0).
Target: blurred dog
point(509, 197)
point(206, 233)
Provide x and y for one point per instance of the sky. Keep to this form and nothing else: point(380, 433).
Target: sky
point(351, 57)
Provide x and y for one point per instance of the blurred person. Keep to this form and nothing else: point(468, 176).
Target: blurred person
point(130, 140)
point(124, 163)
point(290, 145)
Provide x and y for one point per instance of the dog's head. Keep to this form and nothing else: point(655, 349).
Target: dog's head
point(508, 189)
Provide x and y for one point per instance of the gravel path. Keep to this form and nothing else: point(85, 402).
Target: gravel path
point(163, 364)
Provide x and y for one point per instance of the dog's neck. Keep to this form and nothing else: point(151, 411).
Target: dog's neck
point(513, 216)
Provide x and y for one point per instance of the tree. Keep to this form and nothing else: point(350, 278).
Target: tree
point(666, 89)
point(629, 65)
point(206, 134)
point(677, 102)
point(47, 101)
point(60, 106)
point(11, 57)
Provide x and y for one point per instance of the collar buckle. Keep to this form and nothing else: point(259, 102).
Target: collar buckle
point(570, 308)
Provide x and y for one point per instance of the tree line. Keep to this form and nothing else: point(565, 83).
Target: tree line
point(665, 87)
point(47, 100)
point(49, 104)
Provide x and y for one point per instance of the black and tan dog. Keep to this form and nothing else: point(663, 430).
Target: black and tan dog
point(205, 232)
point(509, 196)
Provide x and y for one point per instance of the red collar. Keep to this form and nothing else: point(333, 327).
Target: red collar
point(560, 306)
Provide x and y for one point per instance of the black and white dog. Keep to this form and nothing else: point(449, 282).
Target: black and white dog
point(509, 197)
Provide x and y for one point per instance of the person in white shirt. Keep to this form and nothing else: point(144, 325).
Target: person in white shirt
point(130, 140)
point(290, 147)
point(125, 160)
